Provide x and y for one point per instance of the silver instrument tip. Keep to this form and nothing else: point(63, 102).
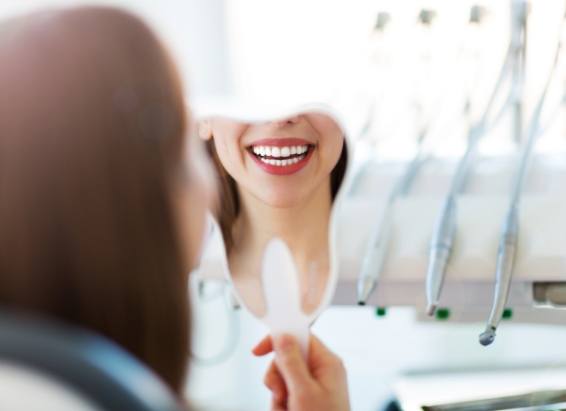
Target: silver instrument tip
point(488, 336)
point(365, 290)
point(431, 309)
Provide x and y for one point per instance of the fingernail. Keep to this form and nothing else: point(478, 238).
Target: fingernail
point(284, 343)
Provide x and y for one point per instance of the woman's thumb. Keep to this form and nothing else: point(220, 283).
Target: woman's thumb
point(290, 362)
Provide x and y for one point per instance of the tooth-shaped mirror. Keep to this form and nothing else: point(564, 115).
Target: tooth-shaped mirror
point(279, 177)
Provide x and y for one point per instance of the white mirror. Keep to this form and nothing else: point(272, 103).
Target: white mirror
point(279, 178)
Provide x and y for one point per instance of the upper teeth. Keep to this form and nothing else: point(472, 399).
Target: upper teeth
point(272, 151)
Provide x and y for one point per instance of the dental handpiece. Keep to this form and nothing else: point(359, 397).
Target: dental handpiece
point(507, 249)
point(445, 228)
point(440, 251)
point(376, 251)
point(377, 247)
point(374, 258)
point(510, 233)
point(504, 273)
point(444, 232)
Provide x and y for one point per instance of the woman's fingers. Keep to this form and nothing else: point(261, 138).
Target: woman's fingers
point(275, 383)
point(320, 356)
point(319, 384)
point(264, 347)
point(291, 364)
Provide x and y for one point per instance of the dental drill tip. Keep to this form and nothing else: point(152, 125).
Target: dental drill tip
point(488, 336)
point(431, 309)
point(365, 289)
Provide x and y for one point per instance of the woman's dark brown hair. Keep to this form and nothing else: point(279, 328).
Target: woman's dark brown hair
point(92, 124)
point(229, 201)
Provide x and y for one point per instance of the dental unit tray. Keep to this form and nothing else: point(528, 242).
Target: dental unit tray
point(540, 273)
point(540, 400)
point(520, 387)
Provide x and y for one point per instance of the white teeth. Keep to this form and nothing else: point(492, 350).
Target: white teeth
point(282, 163)
point(289, 154)
point(275, 152)
point(272, 151)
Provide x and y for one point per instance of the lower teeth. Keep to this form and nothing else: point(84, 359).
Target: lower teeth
point(282, 163)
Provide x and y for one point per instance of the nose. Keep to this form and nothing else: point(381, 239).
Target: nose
point(287, 121)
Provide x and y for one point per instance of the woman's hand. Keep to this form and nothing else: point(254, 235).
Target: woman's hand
point(316, 385)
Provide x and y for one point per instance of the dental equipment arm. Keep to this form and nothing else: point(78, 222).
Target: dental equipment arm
point(376, 251)
point(510, 233)
point(445, 228)
point(373, 261)
point(519, 11)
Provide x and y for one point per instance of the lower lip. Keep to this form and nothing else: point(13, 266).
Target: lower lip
point(283, 170)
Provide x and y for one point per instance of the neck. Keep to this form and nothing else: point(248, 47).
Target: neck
point(303, 227)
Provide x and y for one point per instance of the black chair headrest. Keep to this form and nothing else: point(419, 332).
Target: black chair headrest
point(93, 366)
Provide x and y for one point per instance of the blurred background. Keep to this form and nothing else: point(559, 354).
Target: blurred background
point(393, 68)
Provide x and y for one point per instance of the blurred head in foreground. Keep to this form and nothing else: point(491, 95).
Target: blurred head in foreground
point(96, 226)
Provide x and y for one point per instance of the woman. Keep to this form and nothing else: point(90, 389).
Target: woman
point(278, 180)
point(101, 208)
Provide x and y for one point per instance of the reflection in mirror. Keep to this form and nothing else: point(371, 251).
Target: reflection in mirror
point(278, 179)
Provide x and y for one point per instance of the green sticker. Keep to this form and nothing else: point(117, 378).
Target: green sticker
point(442, 314)
point(381, 311)
point(507, 314)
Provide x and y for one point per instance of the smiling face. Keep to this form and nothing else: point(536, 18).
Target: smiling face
point(281, 163)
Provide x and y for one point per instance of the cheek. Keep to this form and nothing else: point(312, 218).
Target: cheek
point(226, 136)
point(331, 140)
point(330, 153)
point(230, 156)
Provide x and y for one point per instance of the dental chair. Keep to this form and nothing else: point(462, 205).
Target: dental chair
point(47, 366)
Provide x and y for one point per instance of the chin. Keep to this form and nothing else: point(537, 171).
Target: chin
point(281, 198)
